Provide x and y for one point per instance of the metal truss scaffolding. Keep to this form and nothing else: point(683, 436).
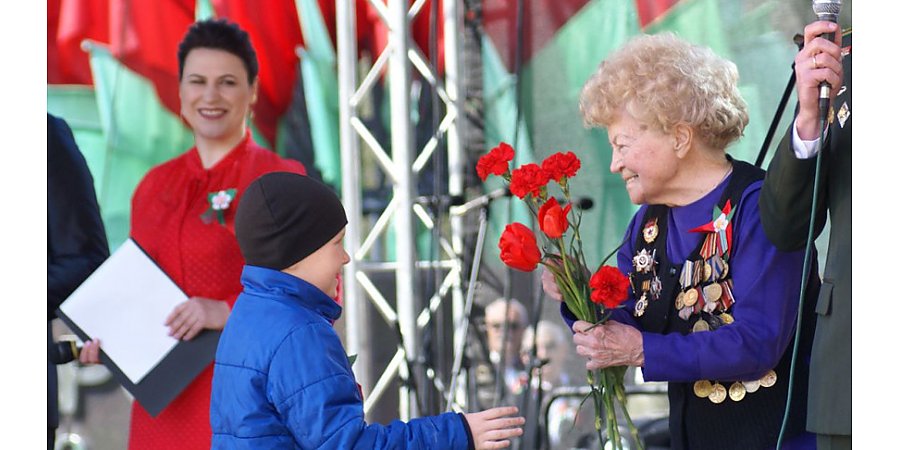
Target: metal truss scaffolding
point(400, 162)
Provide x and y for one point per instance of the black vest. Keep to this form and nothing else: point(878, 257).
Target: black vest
point(696, 423)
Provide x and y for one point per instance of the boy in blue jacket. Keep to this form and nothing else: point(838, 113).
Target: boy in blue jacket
point(282, 378)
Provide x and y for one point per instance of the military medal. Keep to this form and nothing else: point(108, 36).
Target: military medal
point(726, 296)
point(702, 388)
point(651, 230)
point(718, 393)
point(751, 386)
point(679, 301)
point(737, 391)
point(726, 318)
point(719, 238)
point(707, 271)
point(690, 297)
point(843, 114)
point(640, 306)
point(685, 313)
point(700, 325)
point(768, 380)
point(713, 292)
point(644, 261)
point(655, 287)
point(697, 276)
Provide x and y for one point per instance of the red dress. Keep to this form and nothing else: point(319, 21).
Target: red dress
point(202, 257)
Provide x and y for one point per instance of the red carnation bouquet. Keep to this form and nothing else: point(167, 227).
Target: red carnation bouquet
point(590, 297)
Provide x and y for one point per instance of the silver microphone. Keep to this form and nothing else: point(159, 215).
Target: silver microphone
point(828, 10)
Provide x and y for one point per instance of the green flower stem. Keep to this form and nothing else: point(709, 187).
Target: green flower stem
point(586, 312)
point(612, 419)
point(595, 396)
point(620, 394)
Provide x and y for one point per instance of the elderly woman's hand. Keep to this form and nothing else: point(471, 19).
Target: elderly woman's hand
point(191, 317)
point(608, 345)
point(548, 281)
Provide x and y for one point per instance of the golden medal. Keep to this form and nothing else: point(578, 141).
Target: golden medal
point(768, 380)
point(724, 270)
point(702, 388)
point(751, 386)
point(707, 270)
point(690, 297)
point(679, 300)
point(700, 325)
point(726, 318)
point(713, 292)
point(718, 393)
point(737, 391)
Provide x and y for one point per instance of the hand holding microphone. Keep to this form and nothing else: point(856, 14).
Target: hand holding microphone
point(67, 349)
point(818, 67)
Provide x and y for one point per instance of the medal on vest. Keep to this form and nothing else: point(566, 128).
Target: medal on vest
point(712, 292)
point(641, 305)
point(644, 261)
point(751, 386)
point(718, 393)
point(702, 388)
point(769, 379)
point(700, 325)
point(651, 231)
point(737, 391)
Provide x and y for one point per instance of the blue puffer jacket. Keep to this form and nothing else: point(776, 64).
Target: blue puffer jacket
point(282, 378)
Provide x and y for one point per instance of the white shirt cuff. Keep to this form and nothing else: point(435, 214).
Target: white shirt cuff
point(804, 149)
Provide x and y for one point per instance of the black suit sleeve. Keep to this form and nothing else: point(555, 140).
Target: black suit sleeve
point(76, 239)
point(786, 198)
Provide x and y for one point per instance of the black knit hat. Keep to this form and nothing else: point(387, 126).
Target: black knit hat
point(284, 217)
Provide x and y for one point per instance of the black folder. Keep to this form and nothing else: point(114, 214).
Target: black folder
point(170, 376)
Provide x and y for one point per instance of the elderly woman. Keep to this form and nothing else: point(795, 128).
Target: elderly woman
point(714, 305)
point(183, 214)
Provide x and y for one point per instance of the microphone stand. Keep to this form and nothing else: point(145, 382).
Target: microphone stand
point(482, 202)
point(788, 90)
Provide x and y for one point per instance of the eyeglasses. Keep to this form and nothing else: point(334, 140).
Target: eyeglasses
point(513, 326)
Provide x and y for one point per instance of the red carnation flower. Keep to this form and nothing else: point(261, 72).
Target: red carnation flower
point(518, 248)
point(609, 287)
point(553, 219)
point(496, 161)
point(528, 179)
point(560, 165)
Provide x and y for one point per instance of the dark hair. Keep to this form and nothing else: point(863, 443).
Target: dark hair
point(220, 35)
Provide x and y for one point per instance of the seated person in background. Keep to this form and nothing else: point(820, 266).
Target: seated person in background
point(505, 324)
point(282, 378)
point(552, 353)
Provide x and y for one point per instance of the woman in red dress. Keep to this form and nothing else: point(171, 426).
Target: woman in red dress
point(183, 214)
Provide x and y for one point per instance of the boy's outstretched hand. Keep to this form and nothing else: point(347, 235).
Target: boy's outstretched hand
point(493, 427)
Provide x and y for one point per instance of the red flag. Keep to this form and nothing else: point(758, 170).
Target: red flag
point(651, 10)
point(69, 22)
point(540, 21)
point(145, 36)
point(275, 33)
point(372, 35)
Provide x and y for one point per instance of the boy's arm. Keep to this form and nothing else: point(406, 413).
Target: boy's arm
point(313, 389)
